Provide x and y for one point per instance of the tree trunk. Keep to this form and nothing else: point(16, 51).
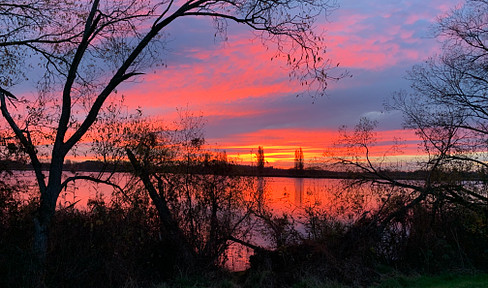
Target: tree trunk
point(41, 227)
point(175, 240)
point(42, 220)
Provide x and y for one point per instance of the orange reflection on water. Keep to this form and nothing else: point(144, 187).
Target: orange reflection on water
point(298, 198)
point(280, 196)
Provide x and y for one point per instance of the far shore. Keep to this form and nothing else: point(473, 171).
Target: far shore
point(237, 170)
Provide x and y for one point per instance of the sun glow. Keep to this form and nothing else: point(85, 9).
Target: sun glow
point(317, 146)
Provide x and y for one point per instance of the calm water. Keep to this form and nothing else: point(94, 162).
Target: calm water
point(281, 194)
point(293, 196)
point(290, 196)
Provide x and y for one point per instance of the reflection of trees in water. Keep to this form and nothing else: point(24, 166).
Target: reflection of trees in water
point(299, 187)
point(314, 202)
point(335, 197)
point(292, 195)
point(311, 198)
point(260, 185)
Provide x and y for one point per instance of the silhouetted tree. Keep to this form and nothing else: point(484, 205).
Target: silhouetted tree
point(84, 50)
point(260, 159)
point(299, 159)
point(410, 216)
point(200, 210)
point(447, 107)
point(372, 170)
point(447, 110)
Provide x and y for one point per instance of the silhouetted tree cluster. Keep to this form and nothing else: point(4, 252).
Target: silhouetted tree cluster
point(201, 205)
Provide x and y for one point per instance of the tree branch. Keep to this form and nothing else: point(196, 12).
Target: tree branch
point(29, 147)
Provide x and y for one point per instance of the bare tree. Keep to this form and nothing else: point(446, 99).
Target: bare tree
point(368, 167)
point(447, 110)
point(86, 49)
point(447, 107)
point(200, 204)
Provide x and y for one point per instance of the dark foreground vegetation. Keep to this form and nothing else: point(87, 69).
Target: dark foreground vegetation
point(120, 244)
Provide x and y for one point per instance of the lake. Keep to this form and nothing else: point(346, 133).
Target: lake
point(281, 195)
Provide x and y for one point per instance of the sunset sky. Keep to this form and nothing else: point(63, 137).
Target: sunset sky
point(248, 101)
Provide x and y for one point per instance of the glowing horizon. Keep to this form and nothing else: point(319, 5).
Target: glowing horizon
point(279, 147)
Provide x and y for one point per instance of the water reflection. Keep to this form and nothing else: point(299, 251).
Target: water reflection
point(279, 193)
point(299, 188)
point(290, 196)
point(260, 183)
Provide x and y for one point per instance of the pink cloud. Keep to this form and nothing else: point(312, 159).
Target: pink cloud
point(366, 37)
point(233, 71)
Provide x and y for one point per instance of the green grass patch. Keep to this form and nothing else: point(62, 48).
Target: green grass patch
point(442, 281)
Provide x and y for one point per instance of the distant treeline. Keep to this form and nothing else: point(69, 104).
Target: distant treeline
point(236, 170)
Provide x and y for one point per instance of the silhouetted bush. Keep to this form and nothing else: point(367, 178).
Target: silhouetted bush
point(453, 238)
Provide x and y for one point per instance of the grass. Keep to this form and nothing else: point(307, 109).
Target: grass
point(442, 281)
point(400, 281)
point(260, 280)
